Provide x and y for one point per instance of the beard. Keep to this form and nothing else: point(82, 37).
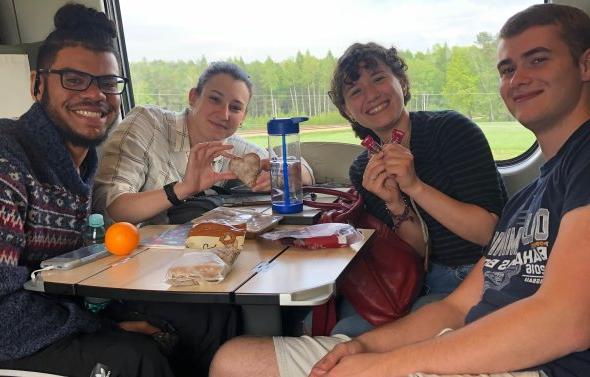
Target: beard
point(67, 133)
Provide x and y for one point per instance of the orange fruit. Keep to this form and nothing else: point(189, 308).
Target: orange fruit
point(121, 238)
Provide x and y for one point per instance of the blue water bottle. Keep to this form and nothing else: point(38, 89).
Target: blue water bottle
point(285, 164)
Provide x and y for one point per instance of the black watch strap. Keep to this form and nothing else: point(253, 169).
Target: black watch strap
point(171, 195)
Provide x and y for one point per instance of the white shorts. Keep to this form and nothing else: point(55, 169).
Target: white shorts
point(296, 356)
point(513, 374)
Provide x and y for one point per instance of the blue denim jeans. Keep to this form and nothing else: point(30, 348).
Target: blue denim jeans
point(440, 281)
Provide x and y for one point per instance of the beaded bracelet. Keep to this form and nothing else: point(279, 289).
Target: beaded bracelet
point(399, 219)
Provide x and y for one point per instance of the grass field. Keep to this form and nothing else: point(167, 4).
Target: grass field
point(507, 139)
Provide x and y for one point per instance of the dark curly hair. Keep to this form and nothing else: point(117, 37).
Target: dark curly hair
point(78, 25)
point(347, 71)
point(574, 24)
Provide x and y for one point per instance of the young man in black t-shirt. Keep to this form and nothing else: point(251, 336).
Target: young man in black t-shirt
point(526, 305)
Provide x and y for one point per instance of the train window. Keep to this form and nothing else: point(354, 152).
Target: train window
point(290, 49)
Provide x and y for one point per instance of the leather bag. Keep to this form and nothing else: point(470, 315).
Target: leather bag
point(383, 280)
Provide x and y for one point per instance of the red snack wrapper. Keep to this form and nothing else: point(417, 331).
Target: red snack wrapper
point(397, 136)
point(371, 145)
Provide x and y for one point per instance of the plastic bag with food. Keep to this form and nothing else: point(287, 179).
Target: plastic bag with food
point(198, 267)
point(256, 222)
point(320, 236)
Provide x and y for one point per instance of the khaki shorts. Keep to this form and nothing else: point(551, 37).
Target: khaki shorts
point(296, 357)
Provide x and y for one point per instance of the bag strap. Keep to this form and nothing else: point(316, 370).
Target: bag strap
point(425, 235)
point(350, 196)
point(344, 209)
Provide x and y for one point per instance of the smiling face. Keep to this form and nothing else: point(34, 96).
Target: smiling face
point(376, 100)
point(540, 82)
point(83, 117)
point(219, 109)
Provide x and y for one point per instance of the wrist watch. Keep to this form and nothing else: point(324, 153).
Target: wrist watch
point(171, 195)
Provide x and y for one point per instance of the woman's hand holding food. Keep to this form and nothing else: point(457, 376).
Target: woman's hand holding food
point(398, 163)
point(377, 181)
point(263, 180)
point(199, 173)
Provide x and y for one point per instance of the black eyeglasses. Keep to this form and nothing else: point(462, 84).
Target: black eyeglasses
point(80, 81)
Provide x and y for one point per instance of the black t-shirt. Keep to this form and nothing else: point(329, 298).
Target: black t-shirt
point(452, 155)
point(517, 256)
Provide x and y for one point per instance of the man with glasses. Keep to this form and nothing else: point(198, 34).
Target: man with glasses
point(47, 165)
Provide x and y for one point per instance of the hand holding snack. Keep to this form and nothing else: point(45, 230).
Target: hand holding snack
point(377, 181)
point(199, 174)
point(399, 163)
point(263, 181)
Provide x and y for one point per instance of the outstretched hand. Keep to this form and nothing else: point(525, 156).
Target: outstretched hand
point(199, 173)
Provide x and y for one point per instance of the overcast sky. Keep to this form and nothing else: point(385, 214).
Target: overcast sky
point(256, 29)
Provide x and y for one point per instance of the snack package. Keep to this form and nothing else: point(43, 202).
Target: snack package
point(320, 236)
point(200, 267)
point(374, 147)
point(256, 222)
point(216, 234)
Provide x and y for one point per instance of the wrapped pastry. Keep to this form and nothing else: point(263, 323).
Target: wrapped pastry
point(216, 234)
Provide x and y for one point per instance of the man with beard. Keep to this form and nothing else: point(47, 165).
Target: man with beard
point(47, 164)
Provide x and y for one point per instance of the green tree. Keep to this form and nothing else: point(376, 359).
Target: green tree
point(461, 82)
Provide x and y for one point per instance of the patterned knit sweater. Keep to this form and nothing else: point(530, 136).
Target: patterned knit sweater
point(43, 205)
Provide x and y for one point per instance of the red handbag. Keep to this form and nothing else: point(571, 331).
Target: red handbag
point(383, 279)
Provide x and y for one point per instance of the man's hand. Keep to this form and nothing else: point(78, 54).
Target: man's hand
point(332, 358)
point(141, 327)
point(362, 365)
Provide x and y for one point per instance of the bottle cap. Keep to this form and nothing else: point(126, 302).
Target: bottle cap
point(95, 220)
point(284, 126)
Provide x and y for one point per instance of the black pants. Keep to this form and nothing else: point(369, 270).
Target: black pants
point(201, 329)
point(125, 354)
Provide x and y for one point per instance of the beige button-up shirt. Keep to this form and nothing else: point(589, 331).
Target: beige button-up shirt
point(149, 149)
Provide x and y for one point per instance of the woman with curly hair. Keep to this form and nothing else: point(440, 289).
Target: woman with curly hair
point(443, 164)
